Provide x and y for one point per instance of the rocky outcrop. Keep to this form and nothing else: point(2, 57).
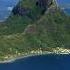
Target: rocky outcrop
point(41, 4)
point(20, 11)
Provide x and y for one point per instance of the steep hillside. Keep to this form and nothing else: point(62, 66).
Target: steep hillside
point(21, 35)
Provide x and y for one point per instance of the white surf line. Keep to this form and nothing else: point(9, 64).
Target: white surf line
point(56, 51)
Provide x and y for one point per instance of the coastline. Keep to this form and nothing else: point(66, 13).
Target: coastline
point(57, 51)
point(22, 57)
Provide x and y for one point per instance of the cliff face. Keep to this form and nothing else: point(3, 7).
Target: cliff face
point(39, 5)
point(49, 2)
point(44, 4)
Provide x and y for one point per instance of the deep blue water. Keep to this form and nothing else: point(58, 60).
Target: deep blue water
point(45, 62)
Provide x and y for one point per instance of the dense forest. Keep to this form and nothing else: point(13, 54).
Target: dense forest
point(34, 24)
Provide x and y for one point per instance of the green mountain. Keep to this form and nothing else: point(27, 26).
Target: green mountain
point(34, 33)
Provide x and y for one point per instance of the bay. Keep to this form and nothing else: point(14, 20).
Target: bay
point(42, 62)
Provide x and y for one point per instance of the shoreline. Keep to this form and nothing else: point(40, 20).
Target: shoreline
point(24, 56)
point(53, 51)
point(57, 51)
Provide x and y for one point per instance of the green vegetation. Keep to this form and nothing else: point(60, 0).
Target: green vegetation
point(22, 34)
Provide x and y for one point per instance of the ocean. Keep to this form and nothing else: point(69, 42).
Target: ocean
point(64, 5)
point(6, 7)
point(42, 62)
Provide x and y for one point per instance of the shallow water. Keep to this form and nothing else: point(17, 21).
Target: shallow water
point(5, 8)
point(45, 62)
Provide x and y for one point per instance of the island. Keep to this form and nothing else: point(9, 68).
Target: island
point(35, 27)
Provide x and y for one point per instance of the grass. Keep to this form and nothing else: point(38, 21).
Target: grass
point(22, 34)
point(16, 23)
